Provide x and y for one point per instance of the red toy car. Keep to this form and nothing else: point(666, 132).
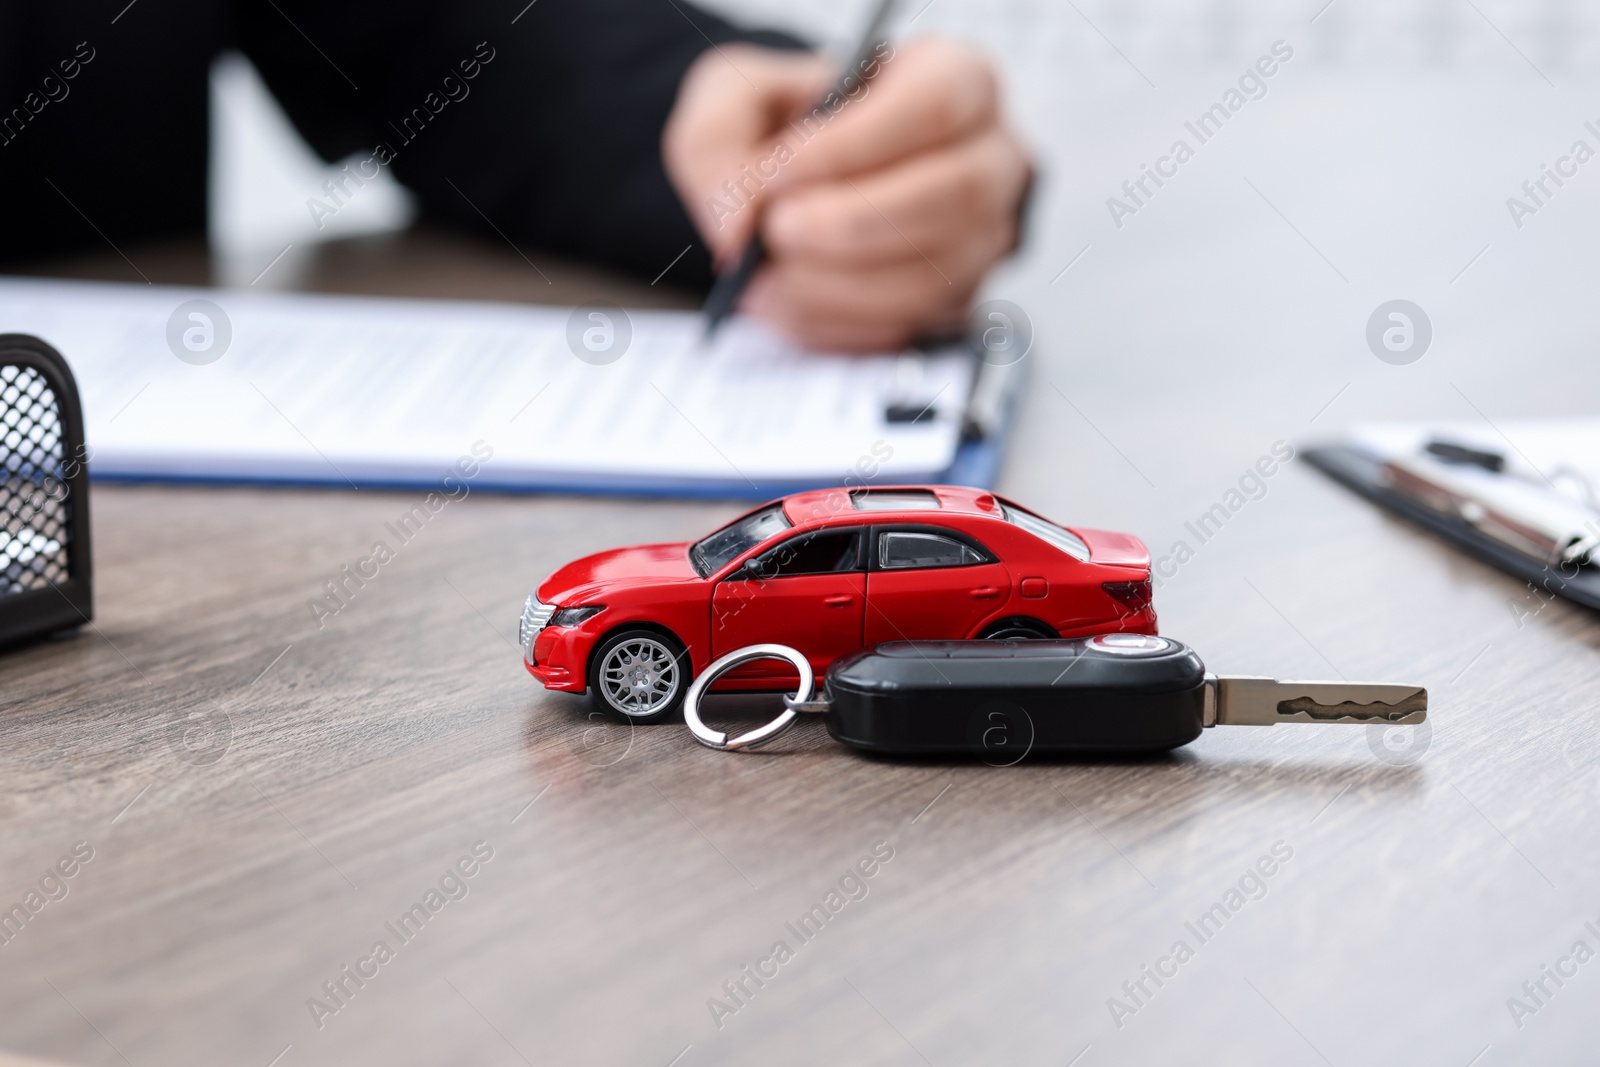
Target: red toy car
point(828, 572)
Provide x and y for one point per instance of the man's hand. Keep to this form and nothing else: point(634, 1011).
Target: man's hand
point(880, 216)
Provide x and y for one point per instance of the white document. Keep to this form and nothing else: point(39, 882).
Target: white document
point(1557, 455)
point(373, 391)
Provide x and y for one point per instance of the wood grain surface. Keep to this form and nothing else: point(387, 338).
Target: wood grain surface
point(264, 798)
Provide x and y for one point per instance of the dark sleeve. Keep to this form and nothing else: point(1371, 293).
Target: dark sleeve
point(103, 135)
point(541, 121)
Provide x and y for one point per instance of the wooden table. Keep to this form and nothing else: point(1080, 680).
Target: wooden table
point(266, 798)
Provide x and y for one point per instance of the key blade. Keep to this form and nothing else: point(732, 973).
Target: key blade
point(1267, 702)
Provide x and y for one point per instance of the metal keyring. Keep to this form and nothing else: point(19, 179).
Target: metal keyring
point(739, 657)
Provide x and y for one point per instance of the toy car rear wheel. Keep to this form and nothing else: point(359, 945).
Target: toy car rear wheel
point(641, 675)
point(1018, 629)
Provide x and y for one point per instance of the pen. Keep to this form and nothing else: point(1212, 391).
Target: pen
point(727, 289)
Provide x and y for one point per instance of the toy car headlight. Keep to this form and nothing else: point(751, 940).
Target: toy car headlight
point(574, 616)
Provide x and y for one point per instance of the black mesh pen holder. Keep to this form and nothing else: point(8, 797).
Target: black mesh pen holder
point(45, 574)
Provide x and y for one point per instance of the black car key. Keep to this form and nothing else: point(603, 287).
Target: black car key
point(1113, 693)
point(1116, 693)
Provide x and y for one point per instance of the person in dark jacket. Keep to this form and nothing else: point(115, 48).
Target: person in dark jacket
point(618, 131)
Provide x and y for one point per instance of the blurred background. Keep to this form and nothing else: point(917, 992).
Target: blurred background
point(1105, 50)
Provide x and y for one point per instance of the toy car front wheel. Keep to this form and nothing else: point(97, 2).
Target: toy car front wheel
point(640, 674)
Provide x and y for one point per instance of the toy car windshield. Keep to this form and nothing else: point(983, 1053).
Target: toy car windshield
point(728, 543)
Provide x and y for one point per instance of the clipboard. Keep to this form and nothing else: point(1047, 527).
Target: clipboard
point(367, 392)
point(1364, 472)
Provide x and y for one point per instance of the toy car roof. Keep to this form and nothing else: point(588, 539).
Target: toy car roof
point(888, 503)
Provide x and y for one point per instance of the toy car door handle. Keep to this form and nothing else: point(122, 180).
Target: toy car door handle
point(839, 600)
point(985, 592)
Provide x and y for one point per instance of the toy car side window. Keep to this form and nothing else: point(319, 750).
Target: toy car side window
point(907, 549)
point(824, 552)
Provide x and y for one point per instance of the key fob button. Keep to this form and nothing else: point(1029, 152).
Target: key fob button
point(1131, 644)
